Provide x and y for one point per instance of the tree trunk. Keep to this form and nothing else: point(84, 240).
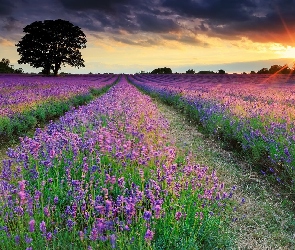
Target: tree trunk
point(56, 68)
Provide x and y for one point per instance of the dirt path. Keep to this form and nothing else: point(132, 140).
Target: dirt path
point(265, 220)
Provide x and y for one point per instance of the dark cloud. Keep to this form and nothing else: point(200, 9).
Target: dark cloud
point(6, 7)
point(186, 39)
point(104, 5)
point(10, 24)
point(141, 42)
point(259, 20)
point(221, 11)
point(275, 23)
point(152, 23)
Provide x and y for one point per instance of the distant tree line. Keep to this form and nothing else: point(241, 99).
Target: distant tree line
point(5, 67)
point(277, 69)
point(166, 70)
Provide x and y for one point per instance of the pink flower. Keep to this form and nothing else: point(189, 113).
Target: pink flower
point(178, 215)
point(149, 235)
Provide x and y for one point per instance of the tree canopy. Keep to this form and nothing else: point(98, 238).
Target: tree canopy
point(50, 44)
point(162, 71)
point(190, 71)
point(277, 69)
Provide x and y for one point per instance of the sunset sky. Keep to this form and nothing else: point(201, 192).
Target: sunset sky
point(133, 35)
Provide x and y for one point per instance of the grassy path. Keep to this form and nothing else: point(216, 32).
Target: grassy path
point(265, 220)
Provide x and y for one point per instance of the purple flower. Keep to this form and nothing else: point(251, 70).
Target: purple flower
point(121, 182)
point(43, 227)
point(157, 211)
point(93, 234)
point(17, 239)
point(49, 236)
point(46, 211)
point(70, 224)
point(147, 215)
point(178, 215)
point(81, 235)
point(113, 240)
point(32, 225)
point(55, 200)
point(28, 239)
point(149, 235)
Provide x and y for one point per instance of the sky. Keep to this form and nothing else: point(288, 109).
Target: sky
point(130, 36)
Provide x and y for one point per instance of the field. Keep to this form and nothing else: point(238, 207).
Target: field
point(27, 101)
point(252, 114)
point(110, 174)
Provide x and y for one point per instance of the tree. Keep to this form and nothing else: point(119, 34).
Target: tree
point(221, 71)
point(263, 71)
point(162, 71)
point(274, 69)
point(190, 71)
point(285, 70)
point(206, 72)
point(51, 44)
point(5, 67)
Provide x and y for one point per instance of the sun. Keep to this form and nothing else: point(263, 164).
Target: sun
point(289, 52)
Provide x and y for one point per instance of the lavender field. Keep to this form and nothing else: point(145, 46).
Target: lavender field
point(108, 175)
point(28, 101)
point(253, 114)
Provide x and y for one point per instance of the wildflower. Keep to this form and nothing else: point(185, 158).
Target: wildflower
point(43, 227)
point(32, 226)
point(149, 235)
point(46, 211)
point(17, 239)
point(200, 215)
point(93, 234)
point(28, 239)
point(70, 224)
point(49, 236)
point(121, 182)
point(55, 200)
point(81, 235)
point(157, 211)
point(178, 215)
point(147, 215)
point(113, 240)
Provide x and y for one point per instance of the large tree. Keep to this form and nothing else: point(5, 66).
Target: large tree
point(51, 44)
